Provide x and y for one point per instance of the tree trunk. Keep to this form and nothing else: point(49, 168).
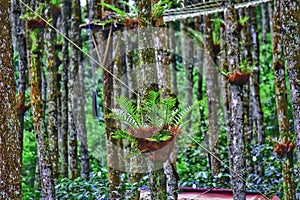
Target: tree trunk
point(236, 134)
point(265, 28)
point(81, 125)
point(212, 92)
point(255, 90)
point(246, 56)
point(52, 92)
point(291, 37)
point(19, 30)
point(66, 8)
point(10, 156)
point(110, 127)
point(172, 45)
point(36, 64)
point(73, 77)
point(187, 56)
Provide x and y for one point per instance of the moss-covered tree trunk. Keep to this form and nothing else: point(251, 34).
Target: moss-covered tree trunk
point(282, 104)
point(246, 57)
point(45, 165)
point(73, 77)
point(291, 43)
point(10, 147)
point(66, 11)
point(52, 91)
point(212, 91)
point(236, 135)
point(19, 32)
point(258, 116)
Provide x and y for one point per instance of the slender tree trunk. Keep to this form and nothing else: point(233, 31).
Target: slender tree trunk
point(246, 56)
point(66, 8)
point(187, 56)
point(52, 93)
point(212, 92)
point(73, 77)
point(282, 104)
point(110, 127)
point(19, 27)
point(236, 134)
point(265, 28)
point(291, 37)
point(255, 90)
point(172, 45)
point(36, 64)
point(10, 147)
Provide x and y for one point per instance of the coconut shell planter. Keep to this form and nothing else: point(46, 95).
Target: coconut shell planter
point(147, 142)
point(239, 78)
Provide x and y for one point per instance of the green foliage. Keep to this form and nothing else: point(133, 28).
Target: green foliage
point(153, 112)
point(243, 20)
point(196, 35)
point(133, 8)
point(216, 29)
point(113, 8)
point(95, 188)
point(160, 7)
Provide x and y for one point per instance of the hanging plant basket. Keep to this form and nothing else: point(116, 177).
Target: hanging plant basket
point(239, 78)
point(158, 150)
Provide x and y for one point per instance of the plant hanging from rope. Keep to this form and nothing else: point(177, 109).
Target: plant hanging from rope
point(151, 126)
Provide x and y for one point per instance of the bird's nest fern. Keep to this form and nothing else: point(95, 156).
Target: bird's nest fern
point(153, 124)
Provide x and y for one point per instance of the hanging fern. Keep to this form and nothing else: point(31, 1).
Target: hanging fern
point(153, 119)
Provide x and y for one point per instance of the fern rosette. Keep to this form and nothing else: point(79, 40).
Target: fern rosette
point(153, 127)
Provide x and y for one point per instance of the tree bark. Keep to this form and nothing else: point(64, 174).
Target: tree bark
point(255, 90)
point(10, 156)
point(19, 30)
point(52, 92)
point(36, 64)
point(73, 77)
point(187, 56)
point(66, 11)
point(212, 91)
point(236, 134)
point(291, 37)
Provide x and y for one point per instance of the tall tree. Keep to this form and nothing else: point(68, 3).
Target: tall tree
point(36, 64)
point(147, 77)
point(66, 11)
point(212, 91)
point(255, 88)
point(291, 38)
point(10, 156)
point(52, 90)
point(282, 104)
point(236, 135)
point(73, 77)
point(19, 31)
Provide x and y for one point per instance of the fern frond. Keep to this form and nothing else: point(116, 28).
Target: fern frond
point(181, 115)
point(130, 108)
point(133, 8)
point(113, 8)
point(124, 117)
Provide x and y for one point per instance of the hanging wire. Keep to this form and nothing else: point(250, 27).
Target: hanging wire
point(241, 5)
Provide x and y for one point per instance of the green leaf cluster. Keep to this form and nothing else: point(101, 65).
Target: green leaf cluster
point(153, 111)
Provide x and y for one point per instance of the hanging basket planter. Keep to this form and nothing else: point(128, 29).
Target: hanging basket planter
point(239, 78)
point(158, 150)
